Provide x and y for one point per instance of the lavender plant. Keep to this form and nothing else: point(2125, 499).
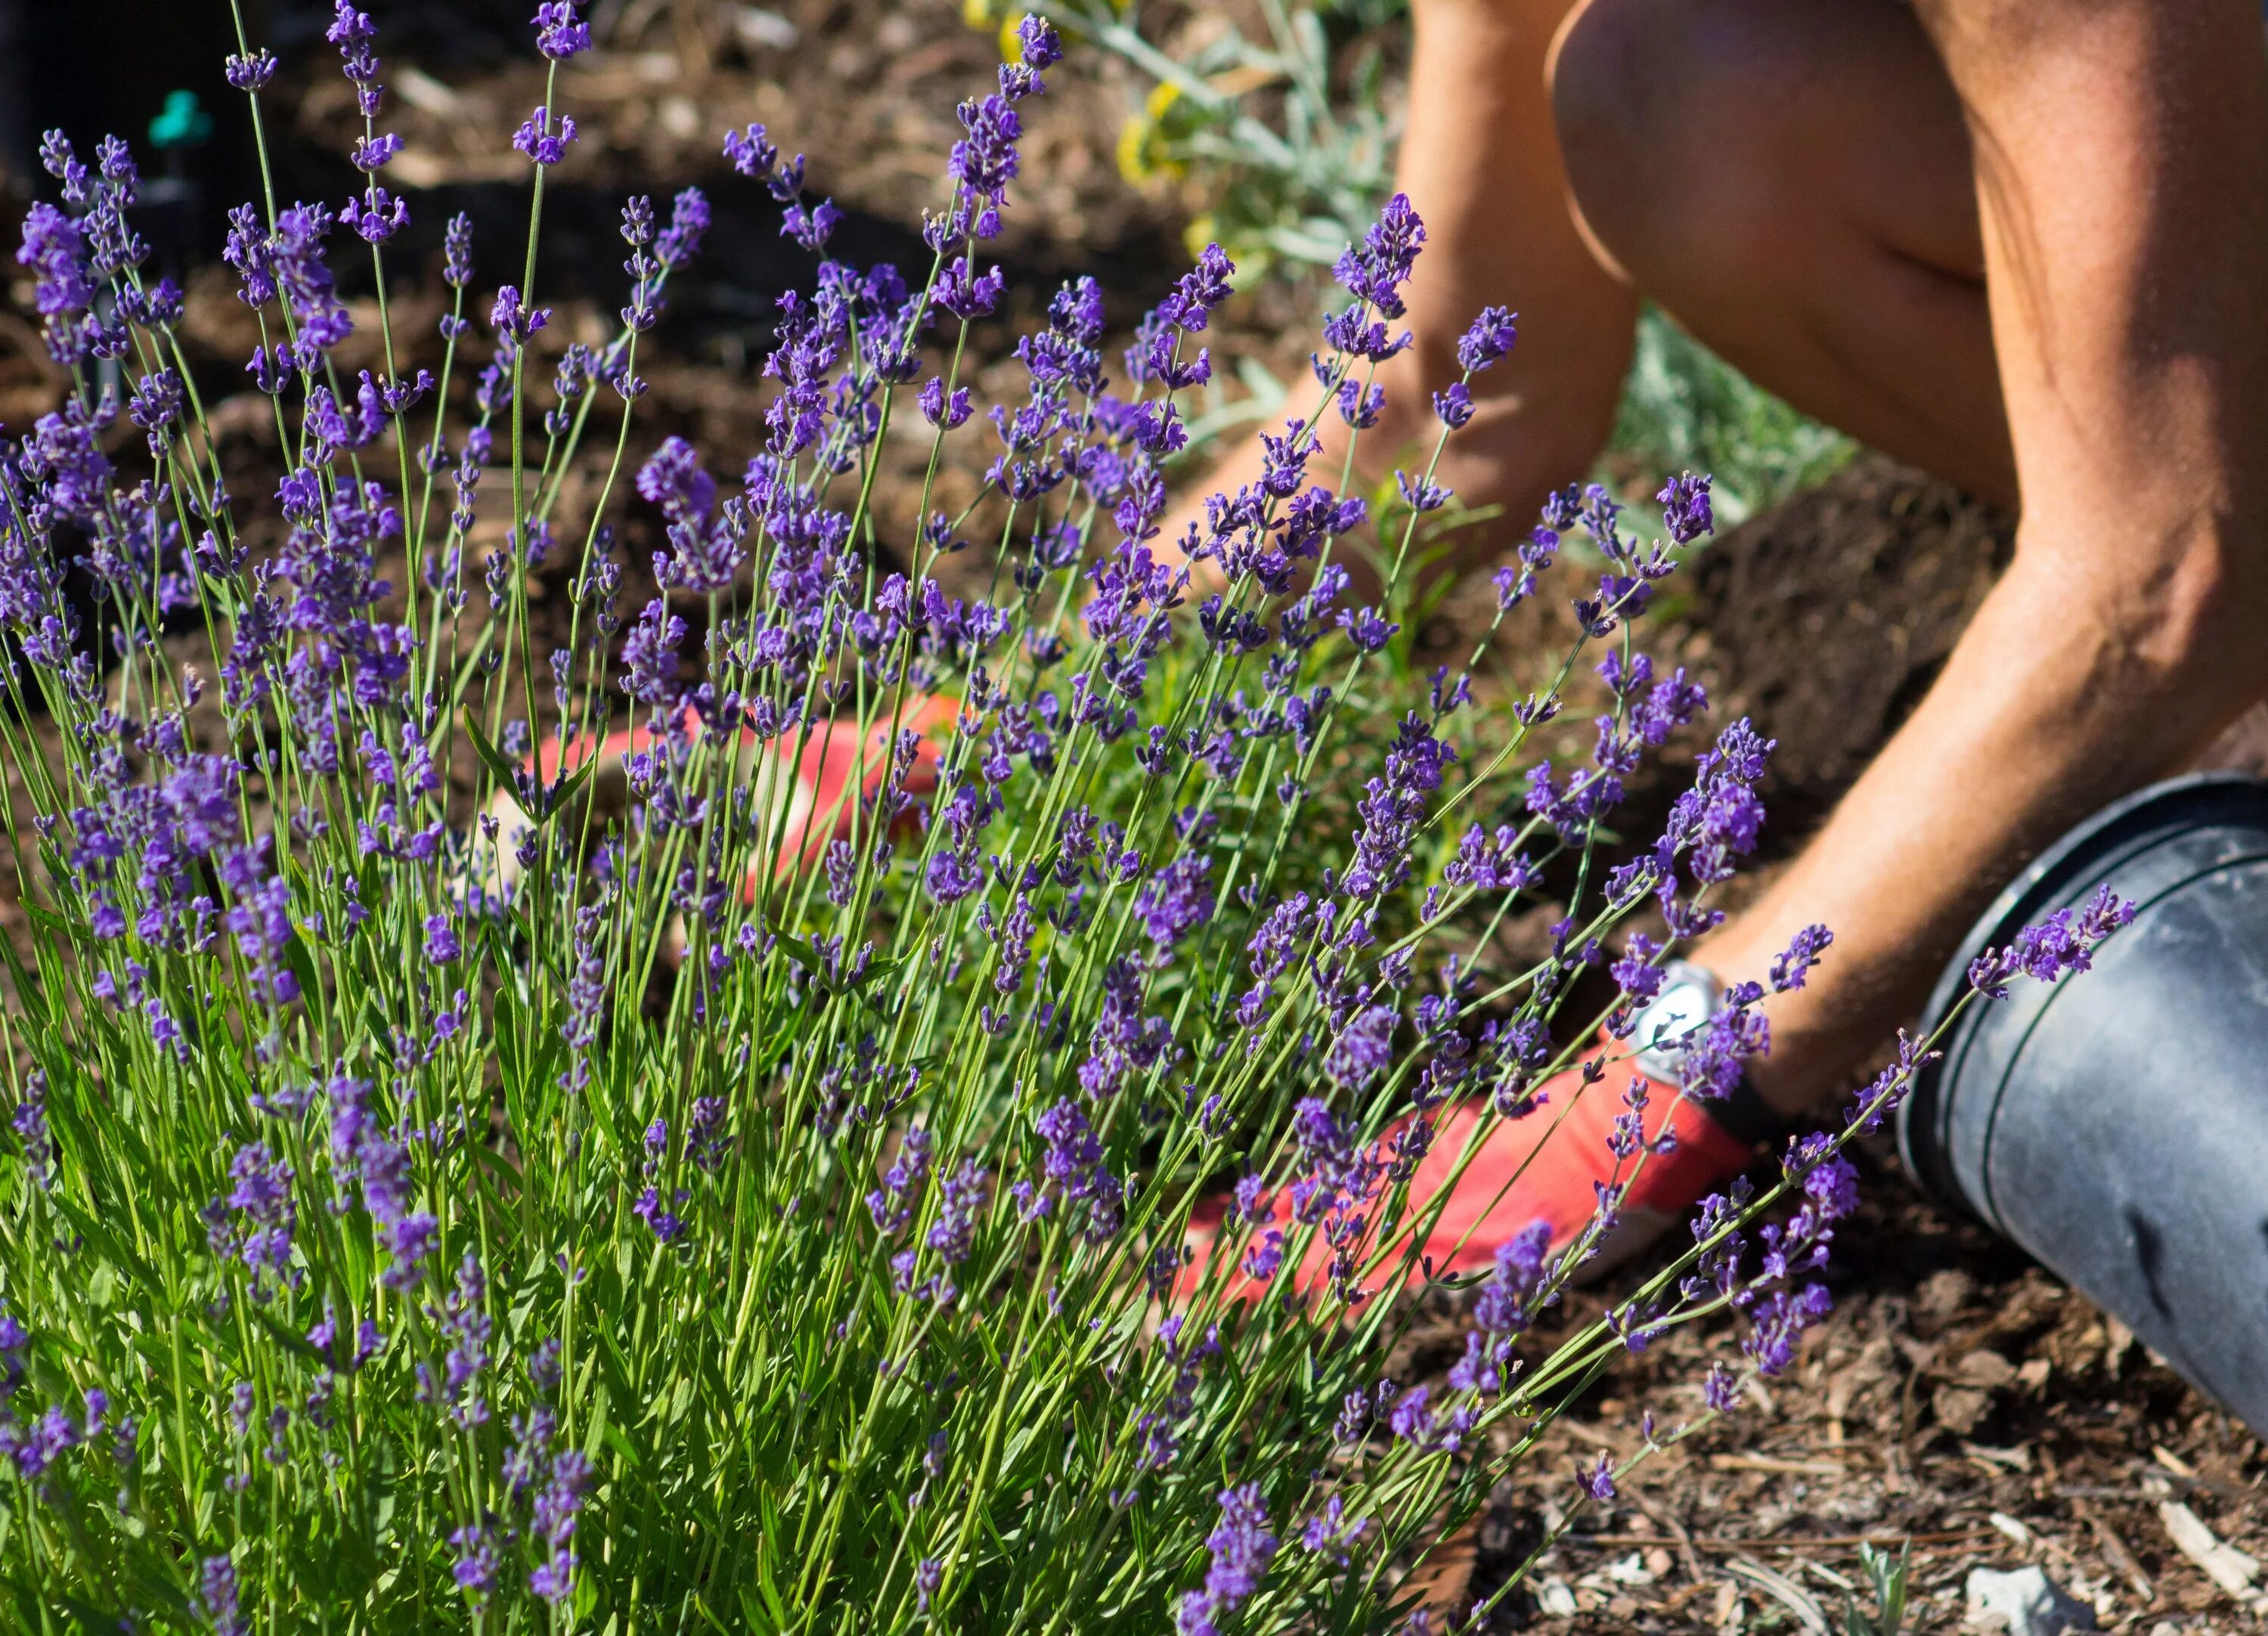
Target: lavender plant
point(433, 1201)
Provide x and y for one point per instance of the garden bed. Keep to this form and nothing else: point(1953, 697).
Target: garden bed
point(1958, 1398)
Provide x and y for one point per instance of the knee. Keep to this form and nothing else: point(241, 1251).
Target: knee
point(1665, 114)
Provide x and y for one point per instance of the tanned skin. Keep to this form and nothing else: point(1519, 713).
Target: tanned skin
point(2021, 243)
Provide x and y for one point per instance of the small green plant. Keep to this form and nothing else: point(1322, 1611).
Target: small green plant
point(1886, 1575)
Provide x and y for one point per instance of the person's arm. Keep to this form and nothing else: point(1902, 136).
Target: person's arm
point(1480, 161)
point(2122, 161)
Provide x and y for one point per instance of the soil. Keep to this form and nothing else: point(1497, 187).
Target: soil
point(1958, 1397)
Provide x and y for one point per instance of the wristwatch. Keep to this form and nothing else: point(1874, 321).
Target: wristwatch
point(1690, 995)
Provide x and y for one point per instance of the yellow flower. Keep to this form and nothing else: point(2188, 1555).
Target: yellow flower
point(980, 14)
point(1139, 156)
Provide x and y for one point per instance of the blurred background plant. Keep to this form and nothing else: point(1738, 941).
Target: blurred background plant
point(1280, 133)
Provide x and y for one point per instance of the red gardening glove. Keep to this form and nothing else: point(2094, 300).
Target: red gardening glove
point(1487, 1208)
point(816, 812)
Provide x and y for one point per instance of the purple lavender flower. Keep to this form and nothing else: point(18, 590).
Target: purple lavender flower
point(1037, 41)
point(513, 319)
point(216, 1596)
point(30, 1123)
point(558, 34)
point(706, 1143)
point(689, 218)
point(663, 1223)
point(892, 1204)
point(984, 161)
point(1685, 508)
point(1489, 339)
point(1780, 1321)
point(673, 479)
point(2063, 942)
point(1330, 1533)
point(1829, 1180)
point(1175, 901)
point(55, 252)
point(290, 261)
point(1072, 1165)
point(362, 1149)
point(1363, 1049)
point(961, 1198)
point(1242, 1547)
point(265, 1213)
point(650, 655)
point(1124, 1041)
point(1789, 966)
point(536, 138)
point(553, 1523)
point(477, 1562)
point(15, 1341)
point(1394, 806)
point(1159, 1430)
point(1421, 495)
point(1506, 1305)
point(457, 251)
point(250, 71)
point(1637, 973)
point(939, 409)
point(753, 155)
point(964, 292)
point(351, 32)
point(465, 1324)
point(1713, 1057)
point(441, 944)
point(1435, 1431)
point(371, 154)
point(1375, 271)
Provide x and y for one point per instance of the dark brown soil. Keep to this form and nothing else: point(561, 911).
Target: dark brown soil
point(1959, 1398)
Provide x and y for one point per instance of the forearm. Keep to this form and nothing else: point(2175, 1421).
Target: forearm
point(2054, 702)
point(2123, 191)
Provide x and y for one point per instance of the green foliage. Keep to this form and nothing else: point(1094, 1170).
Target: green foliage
point(1886, 1576)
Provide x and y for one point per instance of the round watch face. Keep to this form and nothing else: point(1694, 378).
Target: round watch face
point(1684, 1003)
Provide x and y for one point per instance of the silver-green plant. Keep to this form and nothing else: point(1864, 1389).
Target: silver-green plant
point(1887, 1578)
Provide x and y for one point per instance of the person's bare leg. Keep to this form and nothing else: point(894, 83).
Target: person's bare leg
point(2122, 181)
point(1791, 181)
point(1480, 163)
